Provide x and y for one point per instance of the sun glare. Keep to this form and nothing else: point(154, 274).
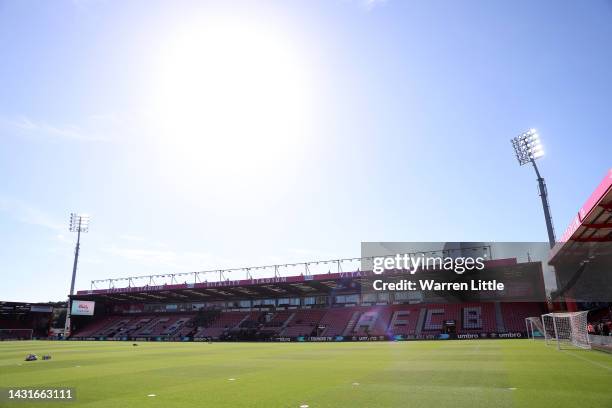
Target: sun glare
point(231, 100)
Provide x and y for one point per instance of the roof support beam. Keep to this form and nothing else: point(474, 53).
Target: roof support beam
point(601, 225)
point(594, 239)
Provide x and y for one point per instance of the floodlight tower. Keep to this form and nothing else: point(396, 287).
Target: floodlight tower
point(528, 149)
point(78, 223)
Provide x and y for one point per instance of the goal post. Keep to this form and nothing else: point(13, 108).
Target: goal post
point(535, 329)
point(16, 334)
point(566, 329)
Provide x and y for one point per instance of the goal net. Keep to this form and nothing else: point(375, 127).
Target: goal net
point(566, 329)
point(535, 329)
point(15, 334)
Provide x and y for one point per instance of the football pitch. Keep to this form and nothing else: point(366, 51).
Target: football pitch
point(475, 373)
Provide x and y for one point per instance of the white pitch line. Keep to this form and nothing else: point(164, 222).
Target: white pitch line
point(607, 367)
point(151, 395)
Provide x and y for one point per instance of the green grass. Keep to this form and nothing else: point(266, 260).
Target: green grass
point(476, 373)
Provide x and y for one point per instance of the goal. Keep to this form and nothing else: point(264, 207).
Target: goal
point(567, 329)
point(16, 334)
point(535, 330)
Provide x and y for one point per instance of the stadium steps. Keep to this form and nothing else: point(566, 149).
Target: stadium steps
point(403, 321)
point(162, 328)
point(224, 322)
point(176, 326)
point(147, 327)
point(153, 327)
point(287, 321)
point(184, 331)
point(111, 330)
point(92, 329)
point(334, 321)
point(366, 324)
point(136, 325)
point(351, 323)
point(499, 318)
point(245, 318)
point(285, 325)
point(421, 321)
point(276, 323)
point(382, 323)
point(304, 322)
point(373, 321)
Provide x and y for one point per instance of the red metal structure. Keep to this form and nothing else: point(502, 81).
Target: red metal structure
point(586, 244)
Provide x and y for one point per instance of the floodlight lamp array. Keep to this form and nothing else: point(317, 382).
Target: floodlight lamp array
point(527, 147)
point(79, 222)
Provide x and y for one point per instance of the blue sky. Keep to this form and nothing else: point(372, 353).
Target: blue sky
point(205, 135)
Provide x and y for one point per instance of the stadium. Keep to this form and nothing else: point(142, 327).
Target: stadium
point(305, 204)
point(319, 307)
point(224, 340)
